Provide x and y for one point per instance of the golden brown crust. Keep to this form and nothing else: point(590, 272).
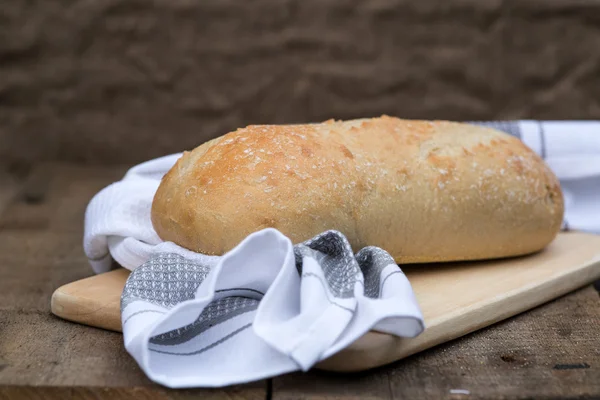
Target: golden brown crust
point(422, 190)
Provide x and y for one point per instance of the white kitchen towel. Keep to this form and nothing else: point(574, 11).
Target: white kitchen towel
point(264, 309)
point(269, 307)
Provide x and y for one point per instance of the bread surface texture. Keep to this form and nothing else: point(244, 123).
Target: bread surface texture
point(425, 191)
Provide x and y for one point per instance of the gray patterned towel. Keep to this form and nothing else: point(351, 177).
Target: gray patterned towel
point(263, 309)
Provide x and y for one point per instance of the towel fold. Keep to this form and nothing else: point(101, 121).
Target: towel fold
point(263, 309)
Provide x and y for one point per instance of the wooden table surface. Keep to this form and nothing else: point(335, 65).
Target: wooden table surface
point(550, 352)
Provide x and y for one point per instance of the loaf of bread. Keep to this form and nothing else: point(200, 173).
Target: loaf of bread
point(425, 191)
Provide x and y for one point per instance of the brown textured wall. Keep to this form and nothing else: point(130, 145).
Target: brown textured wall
point(125, 80)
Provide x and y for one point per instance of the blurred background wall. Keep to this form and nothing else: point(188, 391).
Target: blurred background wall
point(122, 81)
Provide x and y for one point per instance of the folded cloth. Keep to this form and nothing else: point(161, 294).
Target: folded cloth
point(263, 309)
point(117, 220)
point(268, 307)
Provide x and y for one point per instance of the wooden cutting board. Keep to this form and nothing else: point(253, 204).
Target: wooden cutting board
point(456, 298)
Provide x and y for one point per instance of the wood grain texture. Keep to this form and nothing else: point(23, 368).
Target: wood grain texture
point(92, 301)
point(125, 393)
point(460, 298)
point(122, 393)
point(42, 356)
point(456, 298)
point(551, 352)
point(79, 79)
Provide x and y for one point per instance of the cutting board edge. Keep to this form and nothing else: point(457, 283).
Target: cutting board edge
point(582, 269)
point(388, 347)
point(71, 302)
point(83, 314)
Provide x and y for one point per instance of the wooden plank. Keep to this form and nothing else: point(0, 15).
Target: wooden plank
point(552, 351)
point(42, 356)
point(55, 196)
point(94, 301)
point(49, 231)
point(455, 298)
point(38, 349)
point(460, 298)
point(118, 393)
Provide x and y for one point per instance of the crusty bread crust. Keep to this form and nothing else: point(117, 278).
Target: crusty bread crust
point(425, 191)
